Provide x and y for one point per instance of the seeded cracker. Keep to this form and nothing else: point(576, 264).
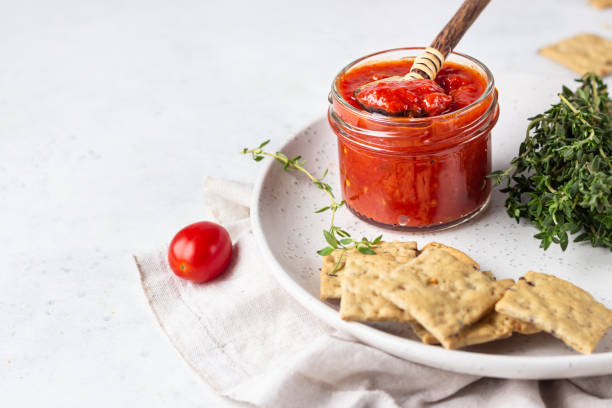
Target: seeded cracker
point(493, 326)
point(582, 53)
point(559, 308)
point(421, 332)
point(425, 336)
point(441, 292)
point(359, 300)
point(331, 284)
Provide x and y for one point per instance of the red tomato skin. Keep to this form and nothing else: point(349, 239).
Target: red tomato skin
point(200, 251)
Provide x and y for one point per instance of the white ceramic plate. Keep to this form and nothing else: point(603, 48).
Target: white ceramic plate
point(289, 233)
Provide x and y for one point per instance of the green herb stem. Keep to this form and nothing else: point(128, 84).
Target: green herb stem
point(336, 237)
point(561, 180)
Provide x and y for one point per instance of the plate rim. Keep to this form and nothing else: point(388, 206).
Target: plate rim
point(498, 366)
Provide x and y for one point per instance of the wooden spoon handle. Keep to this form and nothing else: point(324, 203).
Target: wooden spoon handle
point(452, 32)
point(429, 63)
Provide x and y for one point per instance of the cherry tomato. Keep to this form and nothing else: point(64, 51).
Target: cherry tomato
point(200, 252)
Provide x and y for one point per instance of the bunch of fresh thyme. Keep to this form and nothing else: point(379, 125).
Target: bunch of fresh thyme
point(336, 237)
point(561, 180)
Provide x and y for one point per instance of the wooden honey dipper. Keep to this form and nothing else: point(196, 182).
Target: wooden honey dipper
point(426, 65)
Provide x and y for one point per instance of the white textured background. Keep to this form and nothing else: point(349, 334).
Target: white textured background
point(112, 112)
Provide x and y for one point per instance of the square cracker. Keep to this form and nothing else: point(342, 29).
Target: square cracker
point(582, 53)
point(493, 326)
point(359, 300)
point(331, 283)
point(441, 292)
point(559, 308)
point(601, 4)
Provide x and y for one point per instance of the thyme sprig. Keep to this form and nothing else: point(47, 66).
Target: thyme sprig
point(336, 237)
point(561, 181)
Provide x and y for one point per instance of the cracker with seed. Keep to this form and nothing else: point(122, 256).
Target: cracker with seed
point(425, 336)
point(441, 292)
point(494, 326)
point(559, 308)
point(331, 283)
point(582, 53)
point(488, 328)
point(359, 301)
point(601, 4)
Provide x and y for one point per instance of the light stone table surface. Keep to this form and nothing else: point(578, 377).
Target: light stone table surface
point(111, 114)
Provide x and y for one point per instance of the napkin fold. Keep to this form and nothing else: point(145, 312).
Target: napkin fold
point(251, 342)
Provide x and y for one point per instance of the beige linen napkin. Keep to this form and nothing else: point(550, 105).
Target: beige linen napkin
point(251, 342)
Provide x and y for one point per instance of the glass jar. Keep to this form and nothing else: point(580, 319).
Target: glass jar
point(415, 173)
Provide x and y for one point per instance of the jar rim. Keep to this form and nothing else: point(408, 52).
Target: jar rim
point(394, 120)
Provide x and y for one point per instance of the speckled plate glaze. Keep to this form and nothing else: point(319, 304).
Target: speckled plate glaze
point(289, 233)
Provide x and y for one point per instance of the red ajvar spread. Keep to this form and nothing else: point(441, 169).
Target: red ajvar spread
point(461, 84)
point(415, 98)
point(416, 175)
